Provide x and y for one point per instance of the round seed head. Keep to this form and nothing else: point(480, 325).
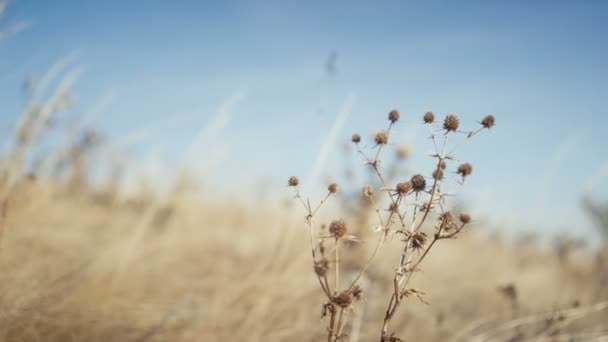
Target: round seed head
point(465, 169)
point(393, 207)
point(451, 123)
point(443, 164)
point(465, 218)
point(293, 181)
point(368, 190)
point(418, 183)
point(337, 228)
point(438, 174)
point(356, 138)
point(418, 240)
point(332, 188)
point(488, 121)
point(381, 138)
point(393, 116)
point(344, 299)
point(429, 117)
point(357, 292)
point(404, 187)
point(321, 267)
point(447, 220)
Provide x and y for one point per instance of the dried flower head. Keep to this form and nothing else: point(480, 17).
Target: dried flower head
point(381, 138)
point(488, 121)
point(428, 117)
point(356, 138)
point(344, 299)
point(357, 292)
point(418, 183)
point(438, 174)
point(293, 181)
point(393, 116)
point(418, 240)
point(404, 187)
point(451, 123)
point(447, 220)
point(332, 188)
point(337, 228)
point(465, 169)
point(368, 190)
point(393, 207)
point(465, 218)
point(321, 267)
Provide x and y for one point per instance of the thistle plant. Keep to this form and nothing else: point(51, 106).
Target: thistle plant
point(402, 210)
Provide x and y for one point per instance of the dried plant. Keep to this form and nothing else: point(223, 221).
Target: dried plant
point(410, 204)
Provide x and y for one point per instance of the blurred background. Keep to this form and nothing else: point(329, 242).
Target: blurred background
point(229, 99)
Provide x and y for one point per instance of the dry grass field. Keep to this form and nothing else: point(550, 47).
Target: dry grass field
point(79, 263)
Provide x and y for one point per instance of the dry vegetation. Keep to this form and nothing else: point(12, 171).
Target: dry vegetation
point(79, 263)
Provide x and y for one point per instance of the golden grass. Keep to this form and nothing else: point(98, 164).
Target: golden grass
point(75, 268)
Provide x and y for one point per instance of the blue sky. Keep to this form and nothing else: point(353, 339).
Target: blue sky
point(160, 71)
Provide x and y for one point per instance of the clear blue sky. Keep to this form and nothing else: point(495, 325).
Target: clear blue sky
point(540, 66)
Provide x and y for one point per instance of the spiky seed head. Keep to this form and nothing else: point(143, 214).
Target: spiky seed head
point(293, 181)
point(488, 121)
point(428, 117)
point(393, 207)
point(418, 240)
point(368, 190)
point(451, 123)
point(418, 183)
point(447, 220)
point(356, 138)
point(465, 169)
point(344, 299)
point(438, 174)
point(393, 116)
point(337, 228)
point(357, 292)
point(403, 152)
point(465, 218)
point(321, 267)
point(381, 138)
point(332, 188)
point(404, 187)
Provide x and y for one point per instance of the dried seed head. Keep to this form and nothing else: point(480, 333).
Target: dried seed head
point(393, 116)
point(418, 240)
point(368, 190)
point(393, 207)
point(337, 228)
point(488, 121)
point(293, 181)
point(381, 138)
point(356, 138)
point(447, 220)
point(465, 218)
point(321, 267)
point(451, 123)
point(465, 169)
point(404, 187)
point(332, 188)
point(344, 299)
point(357, 292)
point(418, 183)
point(429, 117)
point(438, 174)
point(443, 164)
point(403, 152)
